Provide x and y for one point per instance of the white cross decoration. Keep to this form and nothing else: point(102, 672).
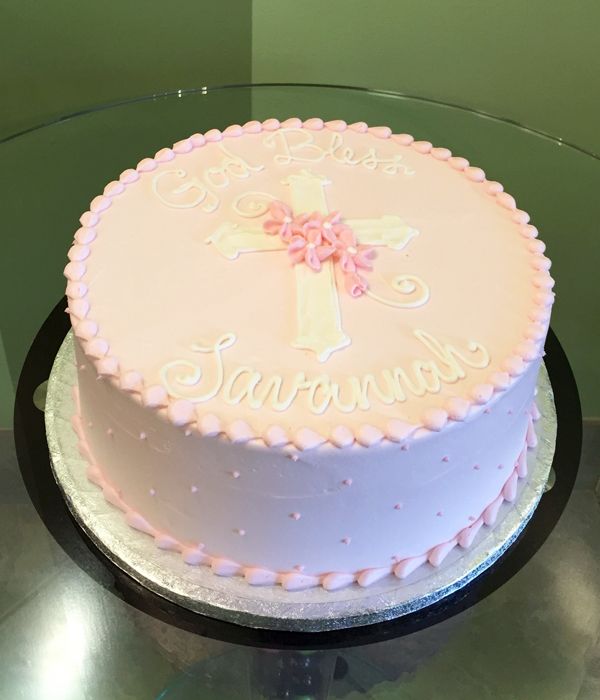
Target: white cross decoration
point(319, 324)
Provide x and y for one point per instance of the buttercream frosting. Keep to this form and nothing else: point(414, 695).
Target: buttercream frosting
point(318, 297)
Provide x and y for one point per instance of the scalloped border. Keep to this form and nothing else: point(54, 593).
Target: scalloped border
point(185, 414)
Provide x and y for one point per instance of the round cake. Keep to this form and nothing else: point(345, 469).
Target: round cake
point(307, 352)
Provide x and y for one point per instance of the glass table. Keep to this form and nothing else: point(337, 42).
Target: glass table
point(65, 634)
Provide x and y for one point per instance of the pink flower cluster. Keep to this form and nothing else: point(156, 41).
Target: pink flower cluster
point(314, 238)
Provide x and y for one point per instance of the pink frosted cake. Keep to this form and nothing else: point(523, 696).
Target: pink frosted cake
point(307, 352)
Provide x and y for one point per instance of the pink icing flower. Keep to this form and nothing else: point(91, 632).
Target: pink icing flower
point(303, 223)
point(307, 246)
point(350, 255)
point(356, 258)
point(331, 225)
point(344, 239)
point(355, 284)
point(281, 223)
point(315, 237)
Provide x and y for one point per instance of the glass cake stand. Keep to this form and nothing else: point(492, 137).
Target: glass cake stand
point(68, 616)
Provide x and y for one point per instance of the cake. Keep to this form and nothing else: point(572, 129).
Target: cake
point(307, 352)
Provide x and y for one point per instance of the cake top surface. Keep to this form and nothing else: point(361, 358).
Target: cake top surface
point(307, 282)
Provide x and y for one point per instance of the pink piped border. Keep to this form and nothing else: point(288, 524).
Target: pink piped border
point(295, 580)
point(433, 419)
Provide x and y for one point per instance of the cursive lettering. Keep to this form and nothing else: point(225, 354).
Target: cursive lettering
point(244, 383)
point(298, 146)
point(176, 196)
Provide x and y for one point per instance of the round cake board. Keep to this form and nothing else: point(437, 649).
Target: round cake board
point(232, 599)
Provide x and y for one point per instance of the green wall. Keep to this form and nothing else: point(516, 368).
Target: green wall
point(7, 393)
point(533, 61)
point(62, 56)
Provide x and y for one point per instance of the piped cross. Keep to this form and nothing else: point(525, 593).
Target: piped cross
point(318, 318)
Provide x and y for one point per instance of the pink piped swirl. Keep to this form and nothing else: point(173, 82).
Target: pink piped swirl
point(313, 238)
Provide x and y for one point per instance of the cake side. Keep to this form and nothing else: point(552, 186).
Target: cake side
point(303, 518)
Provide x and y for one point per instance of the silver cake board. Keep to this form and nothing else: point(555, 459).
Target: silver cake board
point(232, 599)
